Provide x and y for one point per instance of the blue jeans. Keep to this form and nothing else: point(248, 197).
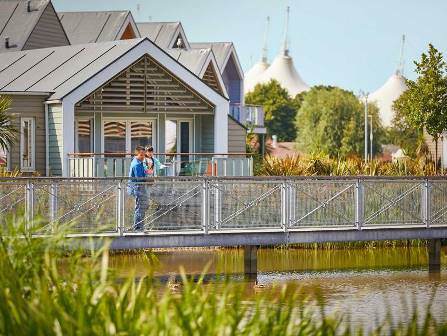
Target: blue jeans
point(141, 204)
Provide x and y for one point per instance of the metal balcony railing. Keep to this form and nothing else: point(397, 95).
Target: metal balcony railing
point(177, 164)
point(250, 115)
point(209, 204)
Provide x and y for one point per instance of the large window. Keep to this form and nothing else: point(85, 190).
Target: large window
point(122, 136)
point(115, 137)
point(27, 144)
point(4, 159)
point(84, 135)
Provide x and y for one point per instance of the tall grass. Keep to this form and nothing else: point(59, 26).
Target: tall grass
point(45, 290)
point(320, 165)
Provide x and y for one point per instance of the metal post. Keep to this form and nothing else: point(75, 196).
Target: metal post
point(120, 208)
point(251, 170)
point(29, 206)
point(371, 138)
point(53, 204)
point(205, 206)
point(217, 205)
point(366, 127)
point(359, 204)
point(425, 204)
point(292, 204)
point(284, 205)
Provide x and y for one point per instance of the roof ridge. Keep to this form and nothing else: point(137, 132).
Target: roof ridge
point(98, 11)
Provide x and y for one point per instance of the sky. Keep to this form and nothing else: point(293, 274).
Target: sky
point(353, 44)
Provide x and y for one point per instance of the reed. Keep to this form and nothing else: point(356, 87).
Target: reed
point(321, 165)
point(47, 290)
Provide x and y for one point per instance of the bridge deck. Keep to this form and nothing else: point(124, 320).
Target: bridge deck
point(232, 211)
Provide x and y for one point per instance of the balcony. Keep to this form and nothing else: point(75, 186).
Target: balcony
point(249, 115)
point(177, 164)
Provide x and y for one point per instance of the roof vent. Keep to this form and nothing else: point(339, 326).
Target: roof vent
point(8, 45)
point(29, 9)
point(179, 44)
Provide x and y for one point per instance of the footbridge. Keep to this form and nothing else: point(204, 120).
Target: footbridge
point(231, 211)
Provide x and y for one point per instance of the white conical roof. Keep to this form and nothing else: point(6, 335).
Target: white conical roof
point(385, 96)
point(283, 70)
point(252, 76)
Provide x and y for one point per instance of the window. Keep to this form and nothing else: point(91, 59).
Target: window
point(115, 137)
point(123, 136)
point(140, 133)
point(4, 159)
point(27, 144)
point(84, 136)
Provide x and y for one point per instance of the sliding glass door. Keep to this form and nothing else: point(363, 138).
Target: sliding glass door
point(179, 139)
point(121, 137)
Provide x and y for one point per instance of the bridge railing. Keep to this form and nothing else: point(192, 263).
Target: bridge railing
point(207, 204)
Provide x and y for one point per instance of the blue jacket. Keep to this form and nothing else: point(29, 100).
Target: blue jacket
point(136, 170)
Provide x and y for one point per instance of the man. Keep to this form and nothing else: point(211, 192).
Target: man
point(138, 190)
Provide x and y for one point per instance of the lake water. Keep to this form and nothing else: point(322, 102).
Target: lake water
point(363, 284)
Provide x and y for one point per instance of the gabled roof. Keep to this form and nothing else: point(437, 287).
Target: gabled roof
point(61, 70)
point(197, 61)
point(57, 70)
point(223, 52)
point(220, 49)
point(96, 26)
point(164, 34)
point(17, 23)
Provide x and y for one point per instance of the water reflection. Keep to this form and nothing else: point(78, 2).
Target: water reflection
point(365, 284)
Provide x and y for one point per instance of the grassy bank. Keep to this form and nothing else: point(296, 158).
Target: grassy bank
point(41, 295)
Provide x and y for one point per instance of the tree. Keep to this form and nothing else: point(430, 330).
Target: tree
point(280, 110)
point(7, 131)
point(331, 121)
point(402, 134)
point(424, 104)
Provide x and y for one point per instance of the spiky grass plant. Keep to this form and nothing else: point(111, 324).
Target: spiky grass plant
point(320, 165)
point(47, 290)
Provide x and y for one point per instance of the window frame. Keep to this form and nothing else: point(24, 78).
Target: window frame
point(92, 126)
point(128, 121)
point(32, 149)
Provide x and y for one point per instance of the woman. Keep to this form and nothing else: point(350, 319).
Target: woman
point(151, 164)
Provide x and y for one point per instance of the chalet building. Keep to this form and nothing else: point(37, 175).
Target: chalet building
point(107, 84)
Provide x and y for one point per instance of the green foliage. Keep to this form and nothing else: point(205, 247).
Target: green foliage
point(46, 290)
point(424, 104)
point(331, 121)
point(323, 165)
point(407, 137)
point(280, 109)
point(7, 131)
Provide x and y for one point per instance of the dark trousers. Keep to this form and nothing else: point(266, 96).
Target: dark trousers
point(141, 204)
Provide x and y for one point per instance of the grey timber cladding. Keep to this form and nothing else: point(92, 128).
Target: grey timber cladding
point(48, 31)
point(207, 131)
point(236, 137)
point(37, 28)
point(55, 139)
point(29, 106)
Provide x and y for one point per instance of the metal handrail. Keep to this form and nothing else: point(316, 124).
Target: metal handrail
point(22, 179)
point(230, 203)
point(159, 153)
